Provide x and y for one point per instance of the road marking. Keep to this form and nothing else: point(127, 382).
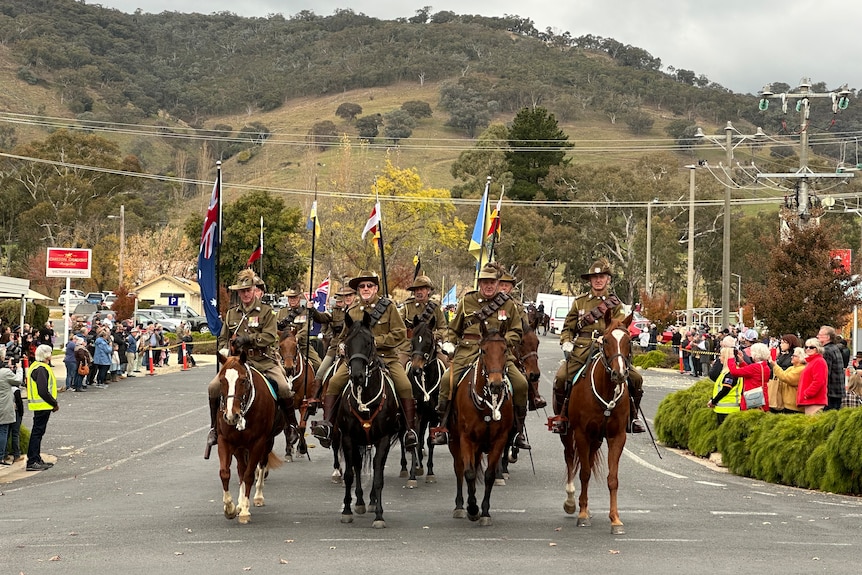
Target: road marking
point(649, 465)
point(814, 544)
point(711, 484)
point(755, 513)
point(836, 504)
point(212, 542)
point(767, 494)
point(139, 454)
point(362, 539)
point(660, 540)
point(504, 539)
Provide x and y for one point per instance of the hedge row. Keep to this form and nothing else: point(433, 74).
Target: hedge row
point(815, 452)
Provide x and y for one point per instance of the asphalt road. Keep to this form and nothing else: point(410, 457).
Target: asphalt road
point(131, 493)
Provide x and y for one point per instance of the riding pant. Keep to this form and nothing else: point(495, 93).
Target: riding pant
point(396, 372)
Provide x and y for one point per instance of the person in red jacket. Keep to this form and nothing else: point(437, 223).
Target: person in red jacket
point(755, 374)
point(811, 392)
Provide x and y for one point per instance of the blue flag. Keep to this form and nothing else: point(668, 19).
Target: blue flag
point(451, 297)
point(208, 258)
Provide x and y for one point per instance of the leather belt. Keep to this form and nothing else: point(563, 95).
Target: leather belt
point(256, 353)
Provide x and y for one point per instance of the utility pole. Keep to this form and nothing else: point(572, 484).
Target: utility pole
point(800, 206)
point(689, 292)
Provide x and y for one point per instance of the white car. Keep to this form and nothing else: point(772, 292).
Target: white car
point(74, 296)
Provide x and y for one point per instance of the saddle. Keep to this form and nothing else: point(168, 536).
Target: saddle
point(270, 384)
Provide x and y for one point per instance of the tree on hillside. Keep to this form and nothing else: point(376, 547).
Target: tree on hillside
point(469, 104)
point(417, 108)
point(535, 144)
point(323, 134)
point(805, 288)
point(398, 125)
point(348, 111)
point(369, 126)
point(486, 158)
point(639, 122)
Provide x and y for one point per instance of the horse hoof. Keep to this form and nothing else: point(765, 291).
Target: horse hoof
point(379, 524)
point(499, 483)
point(569, 508)
point(419, 470)
point(288, 458)
point(412, 484)
point(484, 521)
point(336, 478)
point(473, 517)
point(303, 447)
point(244, 519)
point(347, 518)
point(618, 530)
point(229, 514)
point(431, 479)
point(513, 459)
point(259, 502)
point(403, 474)
point(459, 514)
point(584, 522)
point(359, 509)
point(506, 475)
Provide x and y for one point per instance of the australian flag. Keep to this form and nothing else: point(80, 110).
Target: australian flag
point(208, 259)
point(321, 295)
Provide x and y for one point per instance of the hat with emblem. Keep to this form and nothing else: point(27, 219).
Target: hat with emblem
point(244, 279)
point(421, 282)
point(292, 292)
point(600, 266)
point(489, 272)
point(345, 290)
point(258, 281)
point(507, 277)
point(364, 276)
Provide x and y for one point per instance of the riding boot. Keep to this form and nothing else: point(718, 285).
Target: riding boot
point(521, 437)
point(212, 437)
point(286, 406)
point(538, 401)
point(313, 401)
point(440, 435)
point(409, 408)
point(636, 392)
point(559, 400)
point(322, 430)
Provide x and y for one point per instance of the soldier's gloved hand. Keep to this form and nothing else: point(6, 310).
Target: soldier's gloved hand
point(568, 347)
point(341, 349)
point(448, 348)
point(224, 352)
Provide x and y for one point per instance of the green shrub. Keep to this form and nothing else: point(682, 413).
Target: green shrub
point(23, 441)
point(843, 472)
point(649, 359)
point(732, 439)
point(702, 431)
point(676, 410)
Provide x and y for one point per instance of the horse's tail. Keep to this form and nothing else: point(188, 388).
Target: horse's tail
point(273, 461)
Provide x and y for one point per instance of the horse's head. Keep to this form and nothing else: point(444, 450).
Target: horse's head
point(289, 351)
point(493, 355)
point(616, 348)
point(359, 348)
point(422, 345)
point(235, 387)
point(528, 354)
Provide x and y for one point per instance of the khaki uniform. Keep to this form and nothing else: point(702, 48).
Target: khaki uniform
point(582, 338)
point(466, 339)
point(389, 337)
point(334, 322)
point(258, 322)
point(411, 308)
point(296, 318)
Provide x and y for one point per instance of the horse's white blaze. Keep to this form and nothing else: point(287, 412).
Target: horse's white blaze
point(618, 363)
point(231, 375)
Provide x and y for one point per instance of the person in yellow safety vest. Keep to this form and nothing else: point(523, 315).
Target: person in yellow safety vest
point(727, 390)
point(42, 401)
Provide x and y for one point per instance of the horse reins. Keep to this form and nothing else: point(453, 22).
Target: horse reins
point(245, 401)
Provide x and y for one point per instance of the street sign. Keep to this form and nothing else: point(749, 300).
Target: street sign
point(173, 301)
point(68, 262)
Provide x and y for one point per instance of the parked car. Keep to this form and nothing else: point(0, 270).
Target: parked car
point(109, 300)
point(95, 297)
point(158, 316)
point(74, 296)
point(193, 319)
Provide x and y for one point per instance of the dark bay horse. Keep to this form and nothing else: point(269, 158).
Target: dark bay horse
point(250, 420)
point(527, 362)
point(300, 376)
point(424, 370)
point(367, 417)
point(483, 417)
point(598, 410)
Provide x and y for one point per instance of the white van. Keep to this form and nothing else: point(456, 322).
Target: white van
point(559, 310)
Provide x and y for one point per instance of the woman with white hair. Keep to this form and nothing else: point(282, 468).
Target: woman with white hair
point(812, 390)
point(788, 381)
point(755, 374)
point(42, 401)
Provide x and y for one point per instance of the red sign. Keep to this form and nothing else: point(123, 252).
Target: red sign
point(68, 262)
point(840, 258)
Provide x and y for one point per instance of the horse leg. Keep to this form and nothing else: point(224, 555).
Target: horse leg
point(403, 473)
point(247, 471)
point(380, 455)
point(470, 473)
point(225, 459)
point(571, 467)
point(501, 472)
point(585, 451)
point(495, 455)
point(429, 476)
point(358, 455)
point(455, 450)
point(615, 450)
point(260, 477)
point(349, 474)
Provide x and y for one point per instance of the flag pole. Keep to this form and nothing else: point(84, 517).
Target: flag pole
point(218, 252)
point(380, 243)
point(482, 206)
point(311, 272)
point(497, 227)
point(261, 247)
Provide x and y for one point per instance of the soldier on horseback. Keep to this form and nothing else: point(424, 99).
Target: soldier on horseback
point(333, 320)
point(493, 308)
point(256, 321)
point(389, 337)
point(584, 322)
point(293, 316)
point(420, 304)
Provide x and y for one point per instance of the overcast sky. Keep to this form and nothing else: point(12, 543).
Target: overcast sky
point(741, 44)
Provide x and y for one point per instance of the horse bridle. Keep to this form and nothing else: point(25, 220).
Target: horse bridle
point(489, 399)
point(246, 400)
point(619, 388)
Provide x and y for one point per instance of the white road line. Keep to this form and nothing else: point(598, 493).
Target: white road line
point(362, 539)
point(212, 542)
point(754, 513)
point(848, 504)
point(649, 465)
point(660, 540)
point(711, 484)
point(505, 539)
point(814, 544)
point(767, 494)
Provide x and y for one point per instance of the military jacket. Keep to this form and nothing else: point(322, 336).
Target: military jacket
point(298, 320)
point(389, 331)
point(258, 322)
point(464, 332)
point(411, 308)
point(581, 306)
point(334, 322)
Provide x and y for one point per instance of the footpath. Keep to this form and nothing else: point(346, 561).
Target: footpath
point(10, 473)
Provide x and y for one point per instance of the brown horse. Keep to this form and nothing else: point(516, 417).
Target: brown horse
point(483, 416)
point(300, 376)
point(249, 422)
point(527, 361)
point(598, 410)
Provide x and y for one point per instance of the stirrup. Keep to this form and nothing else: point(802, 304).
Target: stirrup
point(212, 439)
point(439, 436)
point(410, 439)
point(521, 442)
point(635, 426)
point(558, 424)
point(322, 431)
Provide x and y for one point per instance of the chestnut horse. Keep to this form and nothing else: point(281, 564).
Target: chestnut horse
point(424, 370)
point(368, 416)
point(300, 376)
point(483, 417)
point(250, 420)
point(598, 410)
